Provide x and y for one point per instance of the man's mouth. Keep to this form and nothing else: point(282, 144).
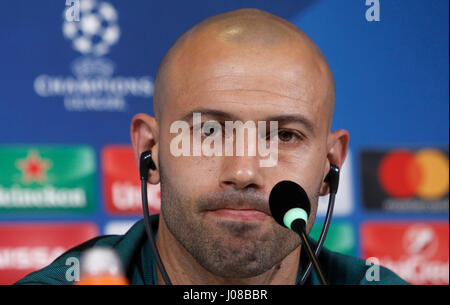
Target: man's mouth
point(239, 214)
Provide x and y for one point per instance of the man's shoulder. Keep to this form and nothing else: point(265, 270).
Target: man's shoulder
point(349, 270)
point(56, 273)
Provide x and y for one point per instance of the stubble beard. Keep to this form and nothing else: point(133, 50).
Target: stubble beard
point(226, 248)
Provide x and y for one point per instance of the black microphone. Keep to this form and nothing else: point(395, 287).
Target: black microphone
point(290, 207)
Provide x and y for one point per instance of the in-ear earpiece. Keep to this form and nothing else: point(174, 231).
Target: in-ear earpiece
point(145, 163)
point(333, 178)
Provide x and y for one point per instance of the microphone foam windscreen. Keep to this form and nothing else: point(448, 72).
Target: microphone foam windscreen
point(286, 195)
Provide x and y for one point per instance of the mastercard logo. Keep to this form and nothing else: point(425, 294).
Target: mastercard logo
point(406, 174)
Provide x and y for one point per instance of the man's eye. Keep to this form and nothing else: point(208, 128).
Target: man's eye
point(288, 136)
point(208, 131)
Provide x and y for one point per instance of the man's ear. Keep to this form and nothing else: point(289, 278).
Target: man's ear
point(145, 136)
point(337, 151)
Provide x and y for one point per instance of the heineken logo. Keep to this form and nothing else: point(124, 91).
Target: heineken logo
point(33, 167)
point(46, 197)
point(47, 178)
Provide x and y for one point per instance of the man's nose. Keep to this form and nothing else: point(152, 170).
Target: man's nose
point(241, 172)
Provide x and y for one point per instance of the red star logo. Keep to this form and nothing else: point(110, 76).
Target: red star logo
point(33, 167)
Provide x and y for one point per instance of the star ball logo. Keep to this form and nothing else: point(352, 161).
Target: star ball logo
point(93, 86)
point(97, 30)
point(47, 178)
point(406, 180)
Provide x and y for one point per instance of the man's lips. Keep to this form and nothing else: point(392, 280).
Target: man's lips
point(240, 214)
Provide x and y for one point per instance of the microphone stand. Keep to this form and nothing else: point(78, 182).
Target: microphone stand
point(298, 226)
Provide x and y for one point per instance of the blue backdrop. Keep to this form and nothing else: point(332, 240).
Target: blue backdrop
point(391, 76)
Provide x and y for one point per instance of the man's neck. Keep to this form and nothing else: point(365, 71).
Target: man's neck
point(183, 269)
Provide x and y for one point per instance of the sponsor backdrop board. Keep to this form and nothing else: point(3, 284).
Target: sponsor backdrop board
point(25, 247)
point(47, 179)
point(70, 86)
point(418, 251)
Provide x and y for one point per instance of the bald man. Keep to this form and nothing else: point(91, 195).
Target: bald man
point(215, 225)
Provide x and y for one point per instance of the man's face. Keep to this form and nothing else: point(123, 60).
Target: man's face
point(217, 206)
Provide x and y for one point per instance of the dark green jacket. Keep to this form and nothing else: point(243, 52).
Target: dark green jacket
point(134, 250)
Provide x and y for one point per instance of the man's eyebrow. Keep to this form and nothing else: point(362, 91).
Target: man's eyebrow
point(293, 118)
point(281, 119)
point(218, 114)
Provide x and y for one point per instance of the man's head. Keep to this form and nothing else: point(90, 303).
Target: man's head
point(245, 65)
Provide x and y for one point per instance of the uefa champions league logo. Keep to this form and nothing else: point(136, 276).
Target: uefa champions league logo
point(97, 29)
point(92, 27)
